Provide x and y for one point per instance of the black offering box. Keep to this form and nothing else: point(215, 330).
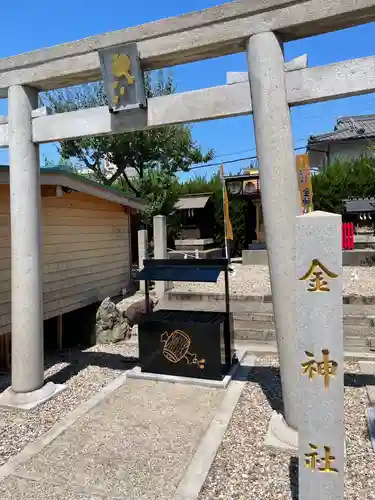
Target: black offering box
point(186, 343)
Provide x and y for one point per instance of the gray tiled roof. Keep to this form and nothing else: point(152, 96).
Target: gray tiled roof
point(348, 127)
point(192, 201)
point(360, 205)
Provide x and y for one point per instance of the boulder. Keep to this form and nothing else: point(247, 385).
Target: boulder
point(111, 324)
point(135, 313)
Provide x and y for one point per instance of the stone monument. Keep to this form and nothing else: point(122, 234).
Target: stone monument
point(320, 356)
point(112, 325)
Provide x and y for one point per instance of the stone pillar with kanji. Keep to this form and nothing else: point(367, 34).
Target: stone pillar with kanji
point(320, 356)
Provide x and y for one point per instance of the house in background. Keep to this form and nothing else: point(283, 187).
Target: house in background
point(350, 138)
point(109, 169)
point(86, 253)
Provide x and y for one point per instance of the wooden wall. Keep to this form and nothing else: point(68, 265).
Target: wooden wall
point(86, 252)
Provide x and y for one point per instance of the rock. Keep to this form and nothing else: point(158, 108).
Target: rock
point(111, 325)
point(135, 313)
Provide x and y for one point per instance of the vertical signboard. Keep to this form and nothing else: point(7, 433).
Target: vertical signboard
point(304, 182)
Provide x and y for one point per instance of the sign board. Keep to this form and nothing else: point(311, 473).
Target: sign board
point(123, 78)
point(304, 182)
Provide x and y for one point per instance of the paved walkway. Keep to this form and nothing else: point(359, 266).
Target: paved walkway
point(134, 445)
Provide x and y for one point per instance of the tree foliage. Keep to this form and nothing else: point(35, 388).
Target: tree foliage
point(158, 189)
point(158, 152)
point(343, 179)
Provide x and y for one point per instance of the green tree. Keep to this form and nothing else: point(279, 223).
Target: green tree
point(164, 151)
point(343, 179)
point(158, 188)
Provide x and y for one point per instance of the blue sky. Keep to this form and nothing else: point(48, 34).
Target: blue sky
point(43, 24)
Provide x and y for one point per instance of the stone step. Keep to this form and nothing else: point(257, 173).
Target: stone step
point(245, 323)
point(254, 334)
point(354, 344)
point(267, 320)
point(217, 301)
point(354, 315)
point(182, 295)
point(270, 349)
point(355, 338)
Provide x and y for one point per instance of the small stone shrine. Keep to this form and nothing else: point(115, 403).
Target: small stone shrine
point(197, 214)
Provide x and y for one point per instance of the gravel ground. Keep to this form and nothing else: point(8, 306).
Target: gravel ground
point(255, 280)
point(245, 470)
point(85, 372)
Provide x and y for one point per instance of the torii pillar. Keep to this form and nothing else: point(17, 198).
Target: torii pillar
point(28, 389)
point(279, 191)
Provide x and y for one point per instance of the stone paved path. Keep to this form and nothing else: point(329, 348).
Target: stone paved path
point(134, 445)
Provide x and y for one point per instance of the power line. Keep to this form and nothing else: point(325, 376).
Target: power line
point(364, 106)
point(233, 161)
point(294, 118)
point(235, 153)
point(249, 150)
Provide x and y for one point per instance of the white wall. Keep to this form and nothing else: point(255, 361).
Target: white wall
point(345, 150)
point(350, 149)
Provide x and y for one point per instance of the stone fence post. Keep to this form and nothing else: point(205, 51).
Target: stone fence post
point(161, 251)
point(142, 253)
point(320, 356)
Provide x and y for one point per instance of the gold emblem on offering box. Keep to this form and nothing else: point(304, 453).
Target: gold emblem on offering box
point(326, 368)
point(318, 275)
point(320, 464)
point(177, 347)
point(121, 68)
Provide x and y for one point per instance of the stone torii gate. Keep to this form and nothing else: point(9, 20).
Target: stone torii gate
point(258, 27)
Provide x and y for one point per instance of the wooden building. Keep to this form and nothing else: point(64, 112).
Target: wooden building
point(86, 243)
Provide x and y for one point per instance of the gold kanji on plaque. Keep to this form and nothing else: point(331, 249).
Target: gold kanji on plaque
point(121, 67)
point(326, 368)
point(313, 460)
point(318, 275)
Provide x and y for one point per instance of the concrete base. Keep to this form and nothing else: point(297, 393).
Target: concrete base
point(254, 258)
point(358, 257)
point(355, 258)
point(30, 400)
point(192, 243)
point(362, 245)
point(280, 435)
point(255, 245)
point(210, 253)
point(160, 377)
